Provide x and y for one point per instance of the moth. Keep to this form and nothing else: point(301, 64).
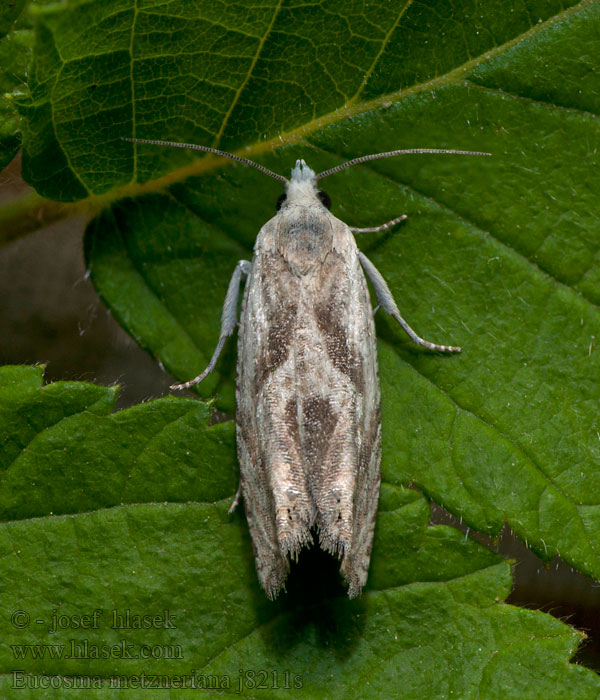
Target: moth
point(308, 406)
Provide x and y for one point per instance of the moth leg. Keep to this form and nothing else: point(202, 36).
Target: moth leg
point(228, 321)
point(382, 227)
point(236, 499)
point(387, 303)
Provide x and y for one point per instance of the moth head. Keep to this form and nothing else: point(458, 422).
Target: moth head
point(302, 189)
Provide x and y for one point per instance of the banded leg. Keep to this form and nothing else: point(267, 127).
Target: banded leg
point(382, 227)
point(387, 303)
point(228, 321)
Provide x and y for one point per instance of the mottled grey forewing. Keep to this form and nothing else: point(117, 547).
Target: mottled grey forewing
point(345, 469)
point(278, 505)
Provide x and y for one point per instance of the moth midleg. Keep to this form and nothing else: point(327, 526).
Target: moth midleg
point(387, 303)
point(228, 320)
point(236, 499)
point(381, 227)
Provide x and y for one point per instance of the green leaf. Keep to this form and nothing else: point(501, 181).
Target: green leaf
point(9, 14)
point(432, 613)
point(498, 255)
point(112, 458)
point(16, 40)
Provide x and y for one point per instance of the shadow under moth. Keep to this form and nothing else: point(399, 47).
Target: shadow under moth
point(307, 394)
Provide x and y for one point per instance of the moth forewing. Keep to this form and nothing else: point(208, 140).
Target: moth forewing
point(308, 405)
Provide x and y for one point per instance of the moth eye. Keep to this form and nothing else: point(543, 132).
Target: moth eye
point(325, 199)
point(281, 200)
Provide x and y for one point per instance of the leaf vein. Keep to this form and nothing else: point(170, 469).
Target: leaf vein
point(243, 84)
point(384, 43)
point(134, 171)
point(532, 100)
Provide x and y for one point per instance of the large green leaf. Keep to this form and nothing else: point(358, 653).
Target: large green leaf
point(431, 620)
point(498, 255)
point(16, 40)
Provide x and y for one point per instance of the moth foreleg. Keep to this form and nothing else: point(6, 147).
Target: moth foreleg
point(387, 303)
point(236, 499)
point(228, 321)
point(381, 227)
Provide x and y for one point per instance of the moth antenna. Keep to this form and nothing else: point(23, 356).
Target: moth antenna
point(215, 151)
point(389, 154)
